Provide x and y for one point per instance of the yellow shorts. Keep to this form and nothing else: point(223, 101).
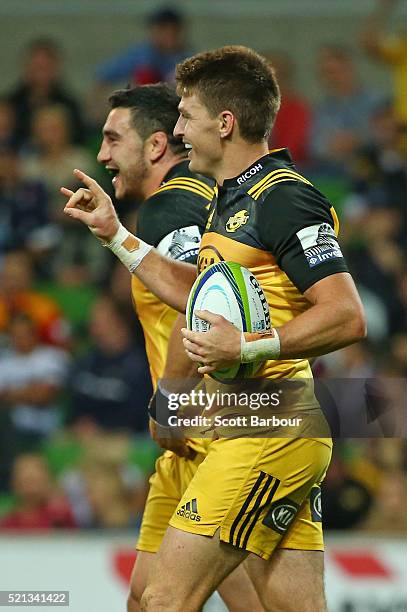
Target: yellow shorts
point(173, 478)
point(259, 492)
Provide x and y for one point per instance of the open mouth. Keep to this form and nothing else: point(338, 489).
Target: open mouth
point(114, 173)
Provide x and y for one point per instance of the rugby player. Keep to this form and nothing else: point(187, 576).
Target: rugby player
point(150, 165)
point(257, 497)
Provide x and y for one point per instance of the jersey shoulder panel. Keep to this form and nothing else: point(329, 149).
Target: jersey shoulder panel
point(181, 202)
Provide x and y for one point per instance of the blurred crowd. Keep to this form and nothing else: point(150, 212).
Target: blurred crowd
point(74, 381)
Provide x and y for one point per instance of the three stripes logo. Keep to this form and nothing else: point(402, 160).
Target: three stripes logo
point(258, 500)
point(190, 511)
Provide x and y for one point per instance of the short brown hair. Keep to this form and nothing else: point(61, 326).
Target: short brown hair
point(234, 78)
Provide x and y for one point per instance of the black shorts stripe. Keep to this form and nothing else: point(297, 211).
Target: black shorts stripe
point(243, 509)
point(252, 512)
point(259, 510)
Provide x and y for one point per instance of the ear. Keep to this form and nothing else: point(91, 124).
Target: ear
point(156, 146)
point(227, 123)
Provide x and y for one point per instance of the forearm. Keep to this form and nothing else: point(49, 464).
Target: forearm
point(334, 319)
point(169, 280)
point(318, 331)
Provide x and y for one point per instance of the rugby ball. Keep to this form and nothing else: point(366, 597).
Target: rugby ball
point(228, 289)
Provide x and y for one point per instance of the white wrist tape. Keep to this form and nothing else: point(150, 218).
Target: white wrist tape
point(129, 249)
point(260, 350)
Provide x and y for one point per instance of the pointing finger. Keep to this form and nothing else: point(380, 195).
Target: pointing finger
point(89, 182)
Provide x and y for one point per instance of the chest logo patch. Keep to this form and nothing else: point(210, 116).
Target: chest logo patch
point(237, 220)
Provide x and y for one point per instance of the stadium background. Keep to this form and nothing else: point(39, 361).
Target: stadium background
point(85, 453)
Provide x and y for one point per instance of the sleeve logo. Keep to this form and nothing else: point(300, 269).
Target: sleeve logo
point(319, 244)
point(281, 514)
point(181, 244)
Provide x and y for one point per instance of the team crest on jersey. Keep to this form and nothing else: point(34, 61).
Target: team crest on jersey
point(237, 220)
point(181, 244)
point(319, 244)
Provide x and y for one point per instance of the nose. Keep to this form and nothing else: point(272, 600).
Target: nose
point(104, 154)
point(179, 127)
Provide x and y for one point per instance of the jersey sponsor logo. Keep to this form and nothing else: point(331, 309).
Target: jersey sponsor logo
point(249, 173)
point(319, 243)
point(280, 515)
point(237, 220)
point(190, 511)
point(316, 505)
point(181, 244)
point(208, 255)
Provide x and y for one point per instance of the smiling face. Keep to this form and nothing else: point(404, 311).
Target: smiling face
point(123, 153)
point(202, 133)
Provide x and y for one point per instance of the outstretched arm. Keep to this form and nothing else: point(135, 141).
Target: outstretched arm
point(169, 280)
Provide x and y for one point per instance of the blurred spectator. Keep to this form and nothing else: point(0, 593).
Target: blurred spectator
point(53, 156)
point(17, 295)
point(293, 122)
point(110, 386)
point(7, 124)
point(24, 215)
point(375, 223)
point(391, 49)
point(151, 61)
point(388, 514)
point(120, 291)
point(41, 85)
point(341, 120)
point(40, 505)
point(345, 500)
point(77, 259)
point(115, 491)
point(31, 376)
point(155, 59)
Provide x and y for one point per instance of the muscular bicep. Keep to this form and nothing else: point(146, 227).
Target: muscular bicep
point(339, 288)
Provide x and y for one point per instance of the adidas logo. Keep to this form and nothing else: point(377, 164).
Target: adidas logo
point(190, 511)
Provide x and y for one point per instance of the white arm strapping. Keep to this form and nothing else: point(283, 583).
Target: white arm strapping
point(129, 249)
point(260, 350)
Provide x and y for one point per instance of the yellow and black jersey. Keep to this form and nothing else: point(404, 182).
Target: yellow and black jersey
point(172, 220)
point(273, 221)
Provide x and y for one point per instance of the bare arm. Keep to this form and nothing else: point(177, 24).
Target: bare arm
point(335, 319)
point(169, 280)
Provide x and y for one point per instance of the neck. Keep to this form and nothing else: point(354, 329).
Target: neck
point(158, 172)
point(239, 156)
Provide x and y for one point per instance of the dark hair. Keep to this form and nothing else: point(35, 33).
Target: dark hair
point(49, 45)
point(166, 15)
point(154, 108)
point(234, 78)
